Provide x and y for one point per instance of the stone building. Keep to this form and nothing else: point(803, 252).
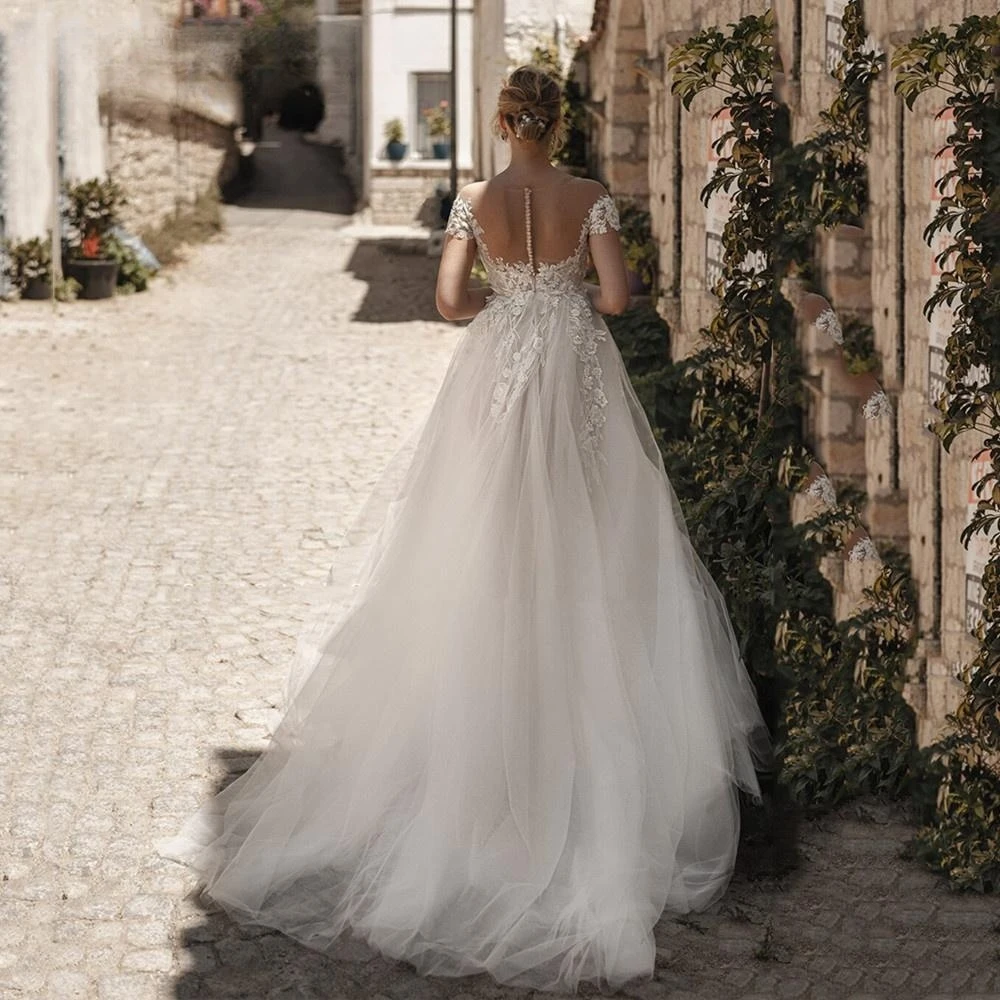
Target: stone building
point(406, 68)
point(143, 90)
point(650, 150)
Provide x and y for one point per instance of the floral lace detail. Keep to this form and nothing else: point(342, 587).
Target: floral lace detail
point(461, 222)
point(603, 216)
point(517, 363)
point(521, 347)
point(585, 341)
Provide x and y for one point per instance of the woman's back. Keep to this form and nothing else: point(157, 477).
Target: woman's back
point(553, 211)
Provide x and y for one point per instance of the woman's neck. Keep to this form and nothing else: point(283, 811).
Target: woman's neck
point(528, 159)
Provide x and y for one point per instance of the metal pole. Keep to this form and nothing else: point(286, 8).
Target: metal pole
point(453, 102)
point(52, 29)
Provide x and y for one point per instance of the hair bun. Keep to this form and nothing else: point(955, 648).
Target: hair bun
point(530, 107)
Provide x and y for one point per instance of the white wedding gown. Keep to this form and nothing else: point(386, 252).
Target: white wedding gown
point(523, 739)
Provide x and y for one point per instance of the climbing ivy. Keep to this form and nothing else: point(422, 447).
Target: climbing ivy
point(963, 835)
point(832, 688)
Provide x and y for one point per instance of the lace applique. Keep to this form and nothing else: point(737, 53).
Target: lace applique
point(603, 216)
point(585, 341)
point(517, 363)
point(461, 222)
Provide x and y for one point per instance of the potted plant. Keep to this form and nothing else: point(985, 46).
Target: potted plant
point(92, 209)
point(28, 266)
point(395, 148)
point(439, 126)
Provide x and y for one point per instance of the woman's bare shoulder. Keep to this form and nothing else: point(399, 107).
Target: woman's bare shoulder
point(588, 191)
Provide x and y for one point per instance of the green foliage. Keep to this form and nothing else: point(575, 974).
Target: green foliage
point(280, 40)
point(831, 689)
point(393, 130)
point(26, 260)
point(963, 835)
point(849, 730)
point(641, 252)
point(827, 174)
point(860, 355)
point(132, 275)
point(92, 209)
point(67, 290)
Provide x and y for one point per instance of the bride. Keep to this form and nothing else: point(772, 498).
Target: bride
point(523, 739)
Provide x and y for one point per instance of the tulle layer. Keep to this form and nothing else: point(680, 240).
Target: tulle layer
point(523, 740)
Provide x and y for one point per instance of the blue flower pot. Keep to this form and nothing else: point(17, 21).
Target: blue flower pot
point(395, 151)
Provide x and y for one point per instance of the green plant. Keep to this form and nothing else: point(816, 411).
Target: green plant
point(831, 689)
point(132, 275)
point(438, 121)
point(67, 289)
point(92, 210)
point(393, 130)
point(827, 174)
point(27, 260)
point(962, 837)
point(641, 251)
point(860, 355)
point(278, 39)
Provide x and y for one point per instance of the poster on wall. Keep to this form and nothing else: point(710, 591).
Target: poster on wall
point(943, 318)
point(834, 33)
point(720, 204)
point(977, 553)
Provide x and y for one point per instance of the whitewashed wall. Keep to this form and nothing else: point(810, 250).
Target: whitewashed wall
point(81, 135)
point(407, 37)
point(30, 124)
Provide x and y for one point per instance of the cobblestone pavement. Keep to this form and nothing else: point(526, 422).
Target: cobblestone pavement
point(175, 469)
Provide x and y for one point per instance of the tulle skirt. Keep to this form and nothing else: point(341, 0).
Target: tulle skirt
point(523, 739)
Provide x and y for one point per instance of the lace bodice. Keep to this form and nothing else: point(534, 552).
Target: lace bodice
point(518, 278)
point(534, 301)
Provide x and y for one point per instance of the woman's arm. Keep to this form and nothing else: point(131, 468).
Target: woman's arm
point(454, 299)
point(611, 295)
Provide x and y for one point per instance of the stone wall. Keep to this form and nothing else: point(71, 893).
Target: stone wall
point(934, 484)
point(406, 195)
point(165, 164)
point(918, 495)
point(170, 105)
point(619, 102)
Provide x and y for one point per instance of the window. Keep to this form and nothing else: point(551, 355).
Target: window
point(429, 90)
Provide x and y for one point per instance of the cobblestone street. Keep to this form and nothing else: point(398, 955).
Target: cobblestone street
point(176, 469)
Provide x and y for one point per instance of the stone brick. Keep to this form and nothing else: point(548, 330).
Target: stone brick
point(624, 143)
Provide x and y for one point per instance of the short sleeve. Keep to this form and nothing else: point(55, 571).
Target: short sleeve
point(460, 221)
point(603, 216)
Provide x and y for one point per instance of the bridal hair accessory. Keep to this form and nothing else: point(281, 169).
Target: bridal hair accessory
point(527, 119)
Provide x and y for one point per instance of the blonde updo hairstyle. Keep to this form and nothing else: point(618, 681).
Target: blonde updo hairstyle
point(530, 107)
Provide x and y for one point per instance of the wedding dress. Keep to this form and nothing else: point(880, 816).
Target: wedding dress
point(523, 738)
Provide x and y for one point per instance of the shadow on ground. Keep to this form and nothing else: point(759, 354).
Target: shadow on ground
point(400, 278)
point(289, 172)
point(854, 919)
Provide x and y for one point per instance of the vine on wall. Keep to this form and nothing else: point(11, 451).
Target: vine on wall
point(833, 688)
point(963, 836)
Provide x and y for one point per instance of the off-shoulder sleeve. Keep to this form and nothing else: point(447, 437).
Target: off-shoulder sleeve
point(460, 221)
point(603, 216)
